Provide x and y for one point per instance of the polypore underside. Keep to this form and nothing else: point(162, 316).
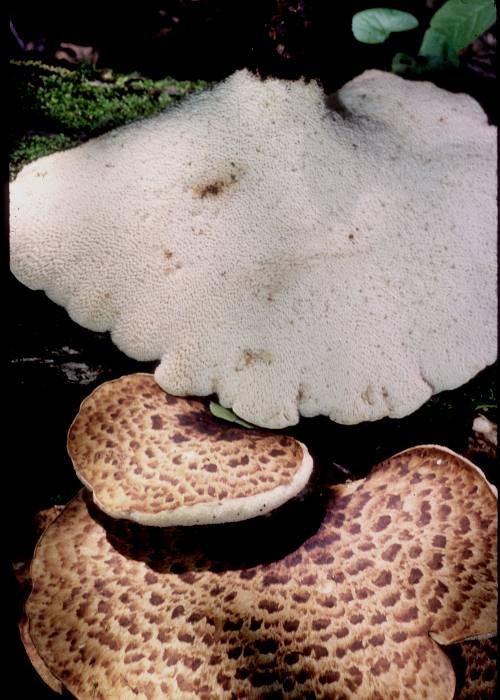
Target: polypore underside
point(287, 250)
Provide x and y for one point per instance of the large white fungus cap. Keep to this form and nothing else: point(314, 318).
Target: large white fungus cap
point(286, 250)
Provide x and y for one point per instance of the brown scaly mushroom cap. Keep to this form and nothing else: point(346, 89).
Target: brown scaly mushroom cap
point(36, 661)
point(162, 460)
point(290, 251)
point(402, 559)
point(477, 660)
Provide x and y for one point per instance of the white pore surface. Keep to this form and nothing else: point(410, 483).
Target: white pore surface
point(289, 251)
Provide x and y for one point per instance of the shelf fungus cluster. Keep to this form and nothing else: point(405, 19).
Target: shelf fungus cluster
point(348, 595)
point(293, 252)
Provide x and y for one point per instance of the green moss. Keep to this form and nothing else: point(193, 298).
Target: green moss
point(54, 108)
point(33, 146)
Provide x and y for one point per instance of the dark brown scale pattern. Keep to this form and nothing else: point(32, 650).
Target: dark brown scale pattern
point(141, 450)
point(476, 661)
point(124, 611)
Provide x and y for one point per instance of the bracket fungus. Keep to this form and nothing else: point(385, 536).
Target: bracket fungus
point(403, 560)
point(162, 460)
point(287, 250)
point(34, 657)
point(479, 659)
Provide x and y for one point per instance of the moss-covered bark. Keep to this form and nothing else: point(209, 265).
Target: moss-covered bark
point(55, 108)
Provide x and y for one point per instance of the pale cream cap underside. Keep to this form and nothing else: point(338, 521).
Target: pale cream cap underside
point(288, 251)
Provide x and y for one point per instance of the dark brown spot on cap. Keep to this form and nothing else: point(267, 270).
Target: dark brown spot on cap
point(320, 623)
point(391, 552)
point(247, 574)
point(327, 602)
point(407, 615)
point(232, 625)
point(255, 624)
point(359, 565)
point(266, 646)
point(415, 576)
point(329, 677)
point(363, 593)
point(291, 625)
point(441, 588)
point(270, 606)
point(156, 599)
point(356, 678)
point(277, 453)
point(324, 558)
point(177, 611)
point(434, 604)
point(185, 637)
point(439, 541)
point(302, 597)
point(399, 637)
point(436, 562)
point(235, 653)
point(383, 579)
point(377, 640)
point(394, 501)
point(346, 596)
point(464, 524)
point(444, 510)
point(156, 422)
point(391, 600)
point(271, 579)
point(292, 658)
point(382, 666)
point(304, 675)
point(356, 619)
point(383, 522)
point(315, 650)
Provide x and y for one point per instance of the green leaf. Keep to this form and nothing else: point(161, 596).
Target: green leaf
point(454, 26)
point(485, 406)
point(438, 50)
point(402, 63)
point(374, 26)
point(226, 414)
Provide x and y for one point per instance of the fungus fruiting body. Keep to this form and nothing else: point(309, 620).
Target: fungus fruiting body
point(39, 666)
point(478, 659)
point(164, 460)
point(290, 251)
point(402, 560)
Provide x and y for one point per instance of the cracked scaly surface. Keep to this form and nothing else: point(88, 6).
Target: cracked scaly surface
point(400, 559)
